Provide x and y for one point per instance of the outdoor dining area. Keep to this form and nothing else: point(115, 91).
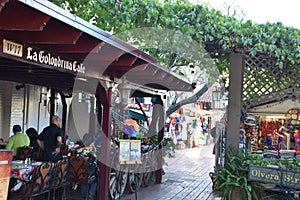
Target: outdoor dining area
point(30, 177)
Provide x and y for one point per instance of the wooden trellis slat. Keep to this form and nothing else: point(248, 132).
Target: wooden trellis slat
point(265, 82)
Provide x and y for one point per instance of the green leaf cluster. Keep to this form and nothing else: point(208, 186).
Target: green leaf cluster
point(292, 164)
point(233, 177)
point(201, 25)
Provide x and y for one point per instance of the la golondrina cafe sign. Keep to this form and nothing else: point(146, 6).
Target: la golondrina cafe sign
point(43, 57)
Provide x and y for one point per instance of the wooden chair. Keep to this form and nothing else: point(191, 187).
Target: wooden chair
point(62, 168)
point(37, 156)
point(24, 152)
point(40, 183)
point(78, 170)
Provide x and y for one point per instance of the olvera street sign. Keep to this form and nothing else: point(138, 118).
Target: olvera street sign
point(273, 175)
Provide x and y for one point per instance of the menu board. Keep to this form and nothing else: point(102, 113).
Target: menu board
point(5, 168)
point(293, 116)
point(130, 152)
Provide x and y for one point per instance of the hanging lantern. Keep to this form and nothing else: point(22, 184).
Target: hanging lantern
point(124, 89)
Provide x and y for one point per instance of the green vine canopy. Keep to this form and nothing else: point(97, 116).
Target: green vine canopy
point(214, 33)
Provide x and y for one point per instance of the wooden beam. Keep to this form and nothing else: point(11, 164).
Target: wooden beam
point(55, 32)
point(85, 44)
point(16, 16)
point(105, 147)
point(235, 100)
point(159, 106)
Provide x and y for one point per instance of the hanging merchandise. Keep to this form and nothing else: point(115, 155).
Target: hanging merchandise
point(250, 120)
point(293, 116)
point(254, 138)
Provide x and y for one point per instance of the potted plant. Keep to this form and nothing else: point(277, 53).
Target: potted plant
point(231, 180)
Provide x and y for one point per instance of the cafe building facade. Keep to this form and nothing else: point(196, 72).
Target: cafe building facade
point(54, 63)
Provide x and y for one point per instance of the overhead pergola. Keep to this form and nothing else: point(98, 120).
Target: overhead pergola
point(256, 81)
point(264, 82)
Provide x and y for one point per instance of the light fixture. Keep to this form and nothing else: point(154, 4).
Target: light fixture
point(124, 89)
point(216, 97)
point(18, 87)
point(107, 83)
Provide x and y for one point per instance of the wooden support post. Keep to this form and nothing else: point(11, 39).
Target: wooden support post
point(92, 124)
point(235, 100)
point(64, 115)
point(52, 104)
point(161, 123)
point(105, 147)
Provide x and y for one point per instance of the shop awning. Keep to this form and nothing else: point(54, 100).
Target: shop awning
point(279, 107)
point(138, 114)
point(46, 45)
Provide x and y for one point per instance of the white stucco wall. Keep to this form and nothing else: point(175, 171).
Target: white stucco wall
point(78, 119)
point(5, 108)
point(24, 106)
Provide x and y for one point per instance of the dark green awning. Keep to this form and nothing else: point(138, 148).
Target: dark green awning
point(138, 114)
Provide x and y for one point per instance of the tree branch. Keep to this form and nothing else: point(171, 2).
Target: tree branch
point(189, 100)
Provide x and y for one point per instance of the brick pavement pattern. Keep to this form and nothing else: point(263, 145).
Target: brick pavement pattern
point(186, 177)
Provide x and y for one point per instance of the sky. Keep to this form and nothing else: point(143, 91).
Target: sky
point(261, 11)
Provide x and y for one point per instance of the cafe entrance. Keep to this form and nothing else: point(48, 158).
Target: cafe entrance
point(50, 59)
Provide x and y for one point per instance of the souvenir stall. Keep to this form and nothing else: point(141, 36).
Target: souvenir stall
point(260, 84)
point(262, 132)
point(277, 127)
point(264, 106)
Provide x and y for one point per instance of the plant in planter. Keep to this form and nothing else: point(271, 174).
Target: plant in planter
point(232, 181)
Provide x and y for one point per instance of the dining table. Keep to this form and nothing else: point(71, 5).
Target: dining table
point(21, 172)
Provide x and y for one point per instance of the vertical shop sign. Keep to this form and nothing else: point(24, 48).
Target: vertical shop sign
point(5, 168)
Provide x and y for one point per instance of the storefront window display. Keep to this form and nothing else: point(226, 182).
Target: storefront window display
point(260, 132)
point(250, 130)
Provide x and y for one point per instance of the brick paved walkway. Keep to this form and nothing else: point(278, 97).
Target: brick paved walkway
point(186, 177)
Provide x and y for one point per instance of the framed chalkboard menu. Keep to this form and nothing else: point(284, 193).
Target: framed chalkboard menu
point(130, 152)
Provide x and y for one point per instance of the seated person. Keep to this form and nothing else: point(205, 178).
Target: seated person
point(146, 145)
point(33, 135)
point(89, 150)
point(19, 139)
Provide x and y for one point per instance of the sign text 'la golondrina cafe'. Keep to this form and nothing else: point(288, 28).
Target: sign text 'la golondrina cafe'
point(43, 57)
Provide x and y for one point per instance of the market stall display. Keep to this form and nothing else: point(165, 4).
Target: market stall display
point(270, 132)
point(293, 116)
point(272, 151)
